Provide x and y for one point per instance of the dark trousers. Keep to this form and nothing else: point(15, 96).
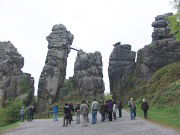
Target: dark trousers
point(29, 117)
point(145, 113)
point(110, 116)
point(66, 121)
point(102, 116)
point(120, 112)
point(22, 117)
point(114, 116)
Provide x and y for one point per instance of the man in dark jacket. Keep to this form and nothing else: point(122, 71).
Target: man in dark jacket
point(67, 112)
point(102, 111)
point(144, 107)
point(72, 111)
point(120, 108)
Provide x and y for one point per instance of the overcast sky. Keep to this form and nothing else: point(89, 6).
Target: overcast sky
point(95, 24)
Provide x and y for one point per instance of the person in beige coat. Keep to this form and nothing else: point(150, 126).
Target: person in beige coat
point(84, 111)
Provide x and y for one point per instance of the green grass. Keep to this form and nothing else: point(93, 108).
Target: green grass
point(11, 126)
point(167, 117)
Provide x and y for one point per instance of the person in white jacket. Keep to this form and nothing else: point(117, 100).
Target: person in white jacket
point(114, 110)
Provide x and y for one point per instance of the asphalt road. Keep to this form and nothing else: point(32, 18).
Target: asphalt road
point(121, 126)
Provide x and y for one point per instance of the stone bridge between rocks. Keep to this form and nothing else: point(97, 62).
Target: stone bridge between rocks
point(121, 126)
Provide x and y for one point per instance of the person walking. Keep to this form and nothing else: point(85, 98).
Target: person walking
point(120, 108)
point(55, 112)
point(94, 109)
point(32, 112)
point(132, 107)
point(84, 110)
point(22, 114)
point(145, 107)
point(77, 110)
point(102, 110)
point(110, 109)
point(71, 106)
point(29, 113)
point(88, 112)
point(67, 112)
point(106, 111)
point(114, 110)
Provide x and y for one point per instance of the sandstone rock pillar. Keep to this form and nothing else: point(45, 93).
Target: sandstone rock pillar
point(54, 71)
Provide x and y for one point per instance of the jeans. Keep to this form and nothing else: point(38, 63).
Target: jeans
point(94, 117)
point(102, 116)
point(78, 117)
point(114, 115)
point(132, 112)
point(87, 117)
point(55, 116)
point(22, 117)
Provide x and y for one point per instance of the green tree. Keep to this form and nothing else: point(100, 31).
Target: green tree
point(174, 21)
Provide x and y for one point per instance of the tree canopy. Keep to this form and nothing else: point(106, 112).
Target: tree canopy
point(174, 21)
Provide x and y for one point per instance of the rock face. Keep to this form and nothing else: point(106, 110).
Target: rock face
point(54, 71)
point(13, 82)
point(88, 74)
point(121, 68)
point(161, 31)
point(162, 51)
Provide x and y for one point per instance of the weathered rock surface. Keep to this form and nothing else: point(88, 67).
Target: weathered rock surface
point(121, 68)
point(54, 71)
point(88, 74)
point(161, 30)
point(162, 51)
point(13, 82)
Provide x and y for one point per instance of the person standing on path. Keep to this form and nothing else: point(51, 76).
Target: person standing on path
point(132, 107)
point(55, 112)
point(88, 112)
point(120, 108)
point(110, 109)
point(67, 112)
point(84, 110)
point(94, 109)
point(29, 113)
point(102, 110)
point(22, 114)
point(77, 110)
point(145, 107)
point(114, 110)
point(72, 111)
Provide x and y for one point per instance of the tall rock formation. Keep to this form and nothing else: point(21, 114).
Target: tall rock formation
point(54, 71)
point(88, 74)
point(121, 68)
point(162, 51)
point(13, 82)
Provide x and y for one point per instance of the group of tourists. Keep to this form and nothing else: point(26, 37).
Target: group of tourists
point(30, 111)
point(107, 110)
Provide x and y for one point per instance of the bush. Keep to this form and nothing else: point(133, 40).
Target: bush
point(11, 113)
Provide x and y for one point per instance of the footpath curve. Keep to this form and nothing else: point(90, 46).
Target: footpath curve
point(121, 126)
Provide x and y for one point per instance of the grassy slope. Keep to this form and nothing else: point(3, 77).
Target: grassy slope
point(163, 94)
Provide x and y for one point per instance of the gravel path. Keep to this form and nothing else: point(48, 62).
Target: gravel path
point(121, 126)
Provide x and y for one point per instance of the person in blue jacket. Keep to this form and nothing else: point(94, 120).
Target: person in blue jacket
point(55, 112)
